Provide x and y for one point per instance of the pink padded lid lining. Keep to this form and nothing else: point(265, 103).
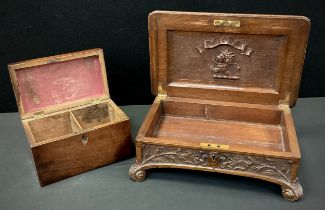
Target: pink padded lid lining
point(57, 83)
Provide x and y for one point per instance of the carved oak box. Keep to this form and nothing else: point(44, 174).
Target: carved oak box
point(70, 121)
point(224, 85)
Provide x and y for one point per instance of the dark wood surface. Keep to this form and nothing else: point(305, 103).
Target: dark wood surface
point(237, 125)
point(224, 84)
point(67, 157)
point(71, 137)
point(177, 140)
point(267, 50)
point(110, 186)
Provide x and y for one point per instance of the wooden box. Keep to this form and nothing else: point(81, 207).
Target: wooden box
point(70, 121)
point(224, 84)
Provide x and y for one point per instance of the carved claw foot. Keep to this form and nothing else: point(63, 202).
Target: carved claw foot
point(293, 191)
point(136, 173)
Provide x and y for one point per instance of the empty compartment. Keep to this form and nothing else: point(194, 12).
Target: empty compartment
point(51, 127)
point(94, 115)
point(219, 124)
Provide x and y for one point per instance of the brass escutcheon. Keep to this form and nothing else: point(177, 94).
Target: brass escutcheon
point(213, 160)
point(214, 146)
point(84, 139)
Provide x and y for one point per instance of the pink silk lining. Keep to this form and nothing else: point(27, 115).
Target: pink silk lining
point(58, 83)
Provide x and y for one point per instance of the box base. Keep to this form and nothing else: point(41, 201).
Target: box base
point(271, 169)
point(249, 140)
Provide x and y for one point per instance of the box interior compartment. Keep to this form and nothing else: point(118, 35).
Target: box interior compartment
point(233, 126)
point(95, 115)
point(73, 121)
point(51, 127)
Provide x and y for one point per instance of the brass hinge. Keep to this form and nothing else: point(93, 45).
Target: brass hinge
point(214, 146)
point(284, 106)
point(161, 92)
point(285, 103)
point(38, 115)
point(53, 60)
point(227, 23)
point(97, 100)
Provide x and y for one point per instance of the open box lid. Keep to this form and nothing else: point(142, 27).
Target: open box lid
point(227, 57)
point(55, 83)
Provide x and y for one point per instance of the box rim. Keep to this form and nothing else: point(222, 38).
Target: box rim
point(293, 141)
point(30, 137)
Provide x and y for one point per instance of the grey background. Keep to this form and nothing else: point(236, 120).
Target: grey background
point(109, 187)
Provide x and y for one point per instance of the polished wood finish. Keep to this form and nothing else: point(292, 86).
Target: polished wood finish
point(293, 30)
point(74, 137)
point(66, 157)
point(224, 93)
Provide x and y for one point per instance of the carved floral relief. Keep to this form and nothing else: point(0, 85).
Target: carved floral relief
point(273, 168)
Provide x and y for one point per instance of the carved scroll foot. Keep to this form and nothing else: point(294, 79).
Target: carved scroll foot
point(292, 191)
point(137, 173)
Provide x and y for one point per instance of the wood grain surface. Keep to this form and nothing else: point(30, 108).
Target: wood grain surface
point(224, 86)
point(69, 138)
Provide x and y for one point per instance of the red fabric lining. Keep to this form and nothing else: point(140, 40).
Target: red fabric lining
point(58, 83)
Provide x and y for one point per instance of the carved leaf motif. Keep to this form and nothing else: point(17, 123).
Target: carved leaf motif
point(276, 169)
point(237, 162)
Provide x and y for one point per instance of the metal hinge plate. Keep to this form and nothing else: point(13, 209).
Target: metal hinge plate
point(214, 146)
point(285, 103)
point(227, 23)
point(97, 100)
point(38, 115)
point(161, 92)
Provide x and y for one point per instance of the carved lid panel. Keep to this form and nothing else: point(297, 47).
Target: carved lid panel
point(58, 82)
point(229, 57)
